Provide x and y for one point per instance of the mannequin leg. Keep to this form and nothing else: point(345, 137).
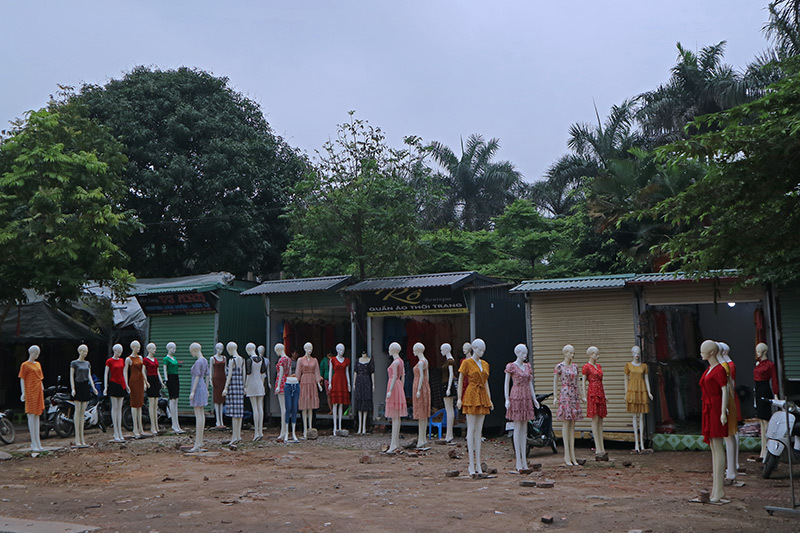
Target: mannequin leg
point(218, 414)
point(597, 435)
point(116, 418)
point(448, 409)
point(339, 415)
point(199, 428)
point(737, 452)
point(718, 464)
point(395, 435)
point(237, 430)
point(334, 410)
point(763, 453)
point(636, 432)
point(566, 436)
point(173, 413)
point(732, 455)
point(33, 428)
point(152, 408)
point(282, 403)
point(78, 421)
point(422, 433)
point(136, 414)
point(257, 404)
point(520, 443)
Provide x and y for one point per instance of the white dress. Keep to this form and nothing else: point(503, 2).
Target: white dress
point(254, 383)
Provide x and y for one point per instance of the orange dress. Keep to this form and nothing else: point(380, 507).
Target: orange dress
point(136, 381)
point(31, 374)
point(475, 400)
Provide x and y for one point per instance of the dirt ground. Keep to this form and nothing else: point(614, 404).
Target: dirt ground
point(149, 485)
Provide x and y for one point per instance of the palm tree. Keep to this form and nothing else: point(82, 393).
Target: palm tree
point(784, 27)
point(478, 188)
point(558, 193)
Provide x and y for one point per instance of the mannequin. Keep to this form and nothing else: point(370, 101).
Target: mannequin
point(475, 402)
point(115, 384)
point(338, 379)
point(171, 365)
point(234, 391)
point(422, 394)
point(568, 399)
point(732, 440)
point(596, 408)
point(449, 393)
point(198, 397)
point(766, 387)
point(466, 349)
point(218, 368)
point(154, 383)
point(520, 401)
point(364, 380)
point(255, 370)
point(137, 384)
point(30, 382)
point(80, 380)
point(714, 386)
point(396, 407)
point(636, 384)
point(310, 386)
point(286, 377)
point(262, 352)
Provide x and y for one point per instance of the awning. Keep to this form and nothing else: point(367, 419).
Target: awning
point(453, 280)
point(283, 286)
point(200, 283)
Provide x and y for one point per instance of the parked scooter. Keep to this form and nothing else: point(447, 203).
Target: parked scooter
point(55, 404)
point(7, 431)
point(778, 436)
point(163, 412)
point(540, 429)
point(92, 416)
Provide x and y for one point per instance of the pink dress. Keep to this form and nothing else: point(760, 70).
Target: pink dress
point(422, 405)
point(280, 382)
point(396, 405)
point(520, 401)
point(569, 401)
point(308, 370)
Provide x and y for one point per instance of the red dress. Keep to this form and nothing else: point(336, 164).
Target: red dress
point(339, 393)
point(711, 384)
point(595, 395)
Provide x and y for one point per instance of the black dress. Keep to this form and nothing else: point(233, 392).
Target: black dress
point(362, 398)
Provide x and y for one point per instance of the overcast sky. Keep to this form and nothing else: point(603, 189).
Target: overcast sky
point(521, 71)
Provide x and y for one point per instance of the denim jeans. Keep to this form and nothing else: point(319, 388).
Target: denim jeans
point(291, 394)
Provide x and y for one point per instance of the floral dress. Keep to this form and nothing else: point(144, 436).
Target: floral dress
point(595, 395)
point(520, 401)
point(569, 401)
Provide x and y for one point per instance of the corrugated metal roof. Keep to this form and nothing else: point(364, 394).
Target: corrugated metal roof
point(201, 283)
point(574, 284)
point(299, 285)
point(659, 277)
point(445, 279)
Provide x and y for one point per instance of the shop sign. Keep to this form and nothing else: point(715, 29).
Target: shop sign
point(419, 301)
point(177, 303)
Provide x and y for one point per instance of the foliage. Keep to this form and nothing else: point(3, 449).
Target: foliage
point(207, 177)
point(783, 27)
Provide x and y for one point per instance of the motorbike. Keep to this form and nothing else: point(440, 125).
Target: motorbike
point(779, 435)
point(92, 416)
point(55, 406)
point(163, 411)
point(7, 431)
point(540, 429)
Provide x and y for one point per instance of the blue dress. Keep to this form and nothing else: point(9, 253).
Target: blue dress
point(200, 370)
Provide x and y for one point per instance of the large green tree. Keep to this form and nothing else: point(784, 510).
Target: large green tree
point(206, 176)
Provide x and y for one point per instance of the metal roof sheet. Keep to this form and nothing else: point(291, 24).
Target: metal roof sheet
point(299, 285)
point(201, 283)
point(445, 279)
point(660, 277)
point(574, 284)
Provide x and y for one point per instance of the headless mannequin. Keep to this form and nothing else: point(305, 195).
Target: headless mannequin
point(33, 419)
point(80, 406)
point(173, 402)
point(394, 352)
point(448, 399)
point(567, 426)
point(116, 403)
point(638, 418)
point(338, 408)
point(136, 412)
point(520, 426)
point(422, 364)
point(362, 415)
point(731, 441)
point(308, 414)
point(709, 351)
point(256, 402)
point(597, 421)
point(235, 361)
point(152, 403)
point(199, 412)
point(761, 356)
point(218, 357)
point(475, 421)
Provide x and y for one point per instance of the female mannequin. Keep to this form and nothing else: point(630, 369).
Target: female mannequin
point(218, 367)
point(286, 377)
point(568, 400)
point(198, 397)
point(714, 386)
point(422, 395)
point(636, 384)
point(310, 386)
point(30, 382)
point(448, 377)
point(137, 383)
point(115, 384)
point(255, 370)
point(233, 391)
point(338, 379)
point(80, 380)
point(520, 401)
point(732, 440)
point(364, 380)
point(475, 402)
point(171, 365)
point(596, 408)
point(396, 407)
point(466, 349)
point(764, 375)
point(154, 383)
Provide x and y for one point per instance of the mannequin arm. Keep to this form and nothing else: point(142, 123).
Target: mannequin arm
point(195, 381)
point(373, 381)
point(458, 389)
point(625, 377)
point(489, 393)
point(125, 373)
point(280, 378)
point(144, 375)
point(22, 388)
point(583, 388)
point(165, 375)
point(317, 375)
point(647, 385)
point(269, 381)
point(391, 386)
point(228, 377)
point(422, 376)
point(506, 388)
point(555, 390)
point(160, 379)
point(449, 378)
point(724, 416)
point(72, 379)
point(105, 382)
point(533, 395)
point(347, 375)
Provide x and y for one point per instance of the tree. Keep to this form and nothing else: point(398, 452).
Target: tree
point(477, 188)
point(207, 177)
point(783, 27)
point(355, 212)
point(526, 238)
point(60, 216)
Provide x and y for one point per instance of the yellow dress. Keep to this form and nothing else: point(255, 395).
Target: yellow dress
point(636, 399)
point(475, 400)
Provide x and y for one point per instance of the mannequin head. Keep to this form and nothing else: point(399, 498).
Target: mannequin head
point(340, 349)
point(478, 348)
point(82, 351)
point(636, 352)
point(569, 352)
point(171, 348)
point(394, 349)
point(761, 351)
point(218, 348)
point(33, 353)
point(135, 347)
point(521, 351)
point(446, 349)
point(364, 355)
point(250, 348)
point(709, 351)
point(232, 348)
point(261, 350)
point(724, 350)
point(308, 348)
point(419, 350)
point(593, 353)
point(151, 349)
point(116, 351)
point(280, 349)
point(467, 349)
point(194, 349)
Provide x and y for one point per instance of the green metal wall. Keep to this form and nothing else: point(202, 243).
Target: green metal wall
point(183, 330)
point(241, 319)
point(790, 332)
